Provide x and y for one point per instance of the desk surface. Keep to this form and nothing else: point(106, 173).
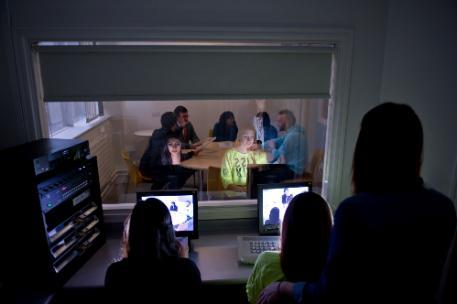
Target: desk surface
point(146, 133)
point(210, 156)
point(215, 255)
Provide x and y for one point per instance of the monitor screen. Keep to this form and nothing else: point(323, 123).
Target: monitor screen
point(183, 206)
point(273, 201)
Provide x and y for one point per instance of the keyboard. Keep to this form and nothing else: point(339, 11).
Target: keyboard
point(249, 247)
point(261, 246)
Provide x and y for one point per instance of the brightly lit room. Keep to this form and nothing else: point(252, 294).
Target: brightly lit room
point(119, 115)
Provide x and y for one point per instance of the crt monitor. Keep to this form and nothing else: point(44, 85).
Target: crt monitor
point(183, 206)
point(273, 201)
point(267, 174)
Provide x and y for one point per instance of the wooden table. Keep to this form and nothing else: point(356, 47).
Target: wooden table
point(210, 156)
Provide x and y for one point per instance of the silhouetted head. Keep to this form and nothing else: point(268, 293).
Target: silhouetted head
point(150, 235)
point(274, 215)
point(227, 118)
point(388, 152)
point(168, 121)
point(305, 237)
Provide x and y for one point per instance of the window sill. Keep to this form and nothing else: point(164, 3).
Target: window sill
point(76, 131)
point(207, 210)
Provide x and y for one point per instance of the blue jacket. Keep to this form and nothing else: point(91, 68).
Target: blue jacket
point(294, 147)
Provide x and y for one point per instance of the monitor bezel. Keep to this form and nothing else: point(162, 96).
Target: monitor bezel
point(261, 188)
point(190, 234)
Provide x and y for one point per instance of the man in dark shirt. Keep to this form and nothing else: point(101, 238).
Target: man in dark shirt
point(187, 134)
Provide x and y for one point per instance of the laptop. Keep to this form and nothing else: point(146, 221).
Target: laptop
point(272, 203)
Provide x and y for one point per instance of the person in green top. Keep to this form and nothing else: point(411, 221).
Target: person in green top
point(236, 160)
point(305, 235)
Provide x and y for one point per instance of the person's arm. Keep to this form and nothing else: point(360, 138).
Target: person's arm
point(277, 292)
point(193, 135)
point(253, 285)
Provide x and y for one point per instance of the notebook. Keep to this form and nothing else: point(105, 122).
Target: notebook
point(272, 203)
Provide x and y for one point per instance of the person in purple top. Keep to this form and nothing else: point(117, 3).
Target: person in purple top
point(390, 239)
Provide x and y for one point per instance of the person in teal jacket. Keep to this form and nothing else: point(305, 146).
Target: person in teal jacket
point(292, 147)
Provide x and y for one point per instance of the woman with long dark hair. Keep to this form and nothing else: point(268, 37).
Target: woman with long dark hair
point(304, 243)
point(151, 267)
point(174, 175)
point(226, 129)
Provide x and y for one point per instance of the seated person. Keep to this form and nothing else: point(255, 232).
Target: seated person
point(173, 207)
point(292, 147)
point(286, 197)
point(187, 134)
point(273, 218)
point(151, 160)
point(236, 161)
point(171, 172)
point(263, 128)
point(391, 237)
point(152, 266)
point(305, 237)
point(225, 129)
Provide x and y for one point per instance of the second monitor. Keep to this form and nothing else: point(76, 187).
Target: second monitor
point(273, 200)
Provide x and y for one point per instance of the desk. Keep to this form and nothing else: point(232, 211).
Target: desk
point(210, 156)
point(144, 133)
point(215, 255)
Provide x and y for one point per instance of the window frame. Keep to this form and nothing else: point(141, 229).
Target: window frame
point(337, 188)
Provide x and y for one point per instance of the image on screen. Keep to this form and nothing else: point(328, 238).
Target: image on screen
point(181, 210)
point(273, 203)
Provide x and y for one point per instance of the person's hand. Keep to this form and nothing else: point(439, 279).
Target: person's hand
point(237, 188)
point(197, 150)
point(196, 145)
point(183, 252)
point(254, 147)
point(270, 294)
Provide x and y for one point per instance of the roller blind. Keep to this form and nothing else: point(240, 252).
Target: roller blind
point(87, 73)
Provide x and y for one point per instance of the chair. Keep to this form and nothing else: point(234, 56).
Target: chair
point(316, 167)
point(135, 176)
point(214, 182)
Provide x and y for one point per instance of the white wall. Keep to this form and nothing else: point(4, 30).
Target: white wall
point(420, 69)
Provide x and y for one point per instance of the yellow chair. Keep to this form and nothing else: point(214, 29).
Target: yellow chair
point(135, 176)
point(214, 182)
point(316, 167)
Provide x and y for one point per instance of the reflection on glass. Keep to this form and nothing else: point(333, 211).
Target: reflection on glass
point(203, 145)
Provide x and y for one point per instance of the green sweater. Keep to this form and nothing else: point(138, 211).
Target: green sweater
point(234, 169)
point(267, 269)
